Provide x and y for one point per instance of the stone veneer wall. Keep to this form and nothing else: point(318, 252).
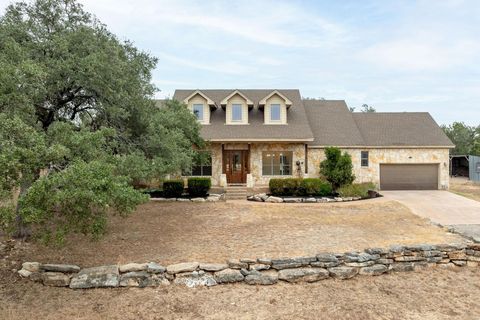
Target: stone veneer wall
point(317, 155)
point(256, 149)
point(261, 271)
point(379, 156)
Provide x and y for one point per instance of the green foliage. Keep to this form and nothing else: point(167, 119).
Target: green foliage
point(315, 187)
point(284, 186)
point(465, 138)
point(173, 188)
point(337, 168)
point(300, 187)
point(356, 190)
point(199, 186)
point(76, 99)
point(78, 200)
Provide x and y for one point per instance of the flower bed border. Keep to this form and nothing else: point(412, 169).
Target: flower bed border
point(263, 197)
point(261, 271)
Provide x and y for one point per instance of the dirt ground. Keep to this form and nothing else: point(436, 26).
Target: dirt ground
point(466, 188)
point(172, 232)
point(213, 232)
point(426, 295)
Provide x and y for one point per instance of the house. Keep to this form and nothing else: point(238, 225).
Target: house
point(256, 135)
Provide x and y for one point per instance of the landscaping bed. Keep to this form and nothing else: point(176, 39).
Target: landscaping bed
point(263, 197)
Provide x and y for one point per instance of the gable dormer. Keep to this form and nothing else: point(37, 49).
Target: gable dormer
point(201, 105)
point(236, 106)
point(275, 106)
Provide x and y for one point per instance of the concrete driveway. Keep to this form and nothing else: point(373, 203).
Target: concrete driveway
point(443, 207)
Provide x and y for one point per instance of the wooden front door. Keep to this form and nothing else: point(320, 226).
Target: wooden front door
point(235, 165)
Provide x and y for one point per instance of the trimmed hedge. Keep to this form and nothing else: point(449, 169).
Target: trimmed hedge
point(198, 187)
point(315, 187)
point(356, 189)
point(154, 193)
point(172, 188)
point(300, 187)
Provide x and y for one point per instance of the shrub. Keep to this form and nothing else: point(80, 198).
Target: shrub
point(356, 190)
point(173, 188)
point(285, 186)
point(314, 187)
point(299, 187)
point(198, 187)
point(276, 187)
point(154, 193)
point(337, 168)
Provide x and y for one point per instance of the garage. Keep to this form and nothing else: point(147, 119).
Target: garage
point(409, 176)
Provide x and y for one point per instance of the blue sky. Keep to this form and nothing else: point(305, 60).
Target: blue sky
point(393, 55)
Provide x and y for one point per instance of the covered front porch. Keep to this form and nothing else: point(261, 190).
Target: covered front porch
point(253, 164)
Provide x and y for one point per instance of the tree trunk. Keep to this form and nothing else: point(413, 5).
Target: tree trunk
point(21, 229)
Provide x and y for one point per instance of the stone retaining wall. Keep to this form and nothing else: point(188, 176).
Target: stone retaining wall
point(261, 271)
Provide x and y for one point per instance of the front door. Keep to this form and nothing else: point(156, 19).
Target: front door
point(235, 165)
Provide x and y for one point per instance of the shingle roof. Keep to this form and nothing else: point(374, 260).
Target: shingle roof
point(332, 123)
point(401, 129)
point(322, 123)
point(297, 129)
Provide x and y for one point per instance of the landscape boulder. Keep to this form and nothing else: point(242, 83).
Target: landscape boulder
point(96, 277)
point(60, 267)
point(55, 279)
point(303, 274)
point(228, 276)
point(343, 273)
point(182, 267)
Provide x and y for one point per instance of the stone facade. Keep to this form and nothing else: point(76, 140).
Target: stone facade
point(256, 150)
point(378, 156)
point(371, 173)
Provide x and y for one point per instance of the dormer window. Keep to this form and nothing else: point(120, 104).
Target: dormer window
point(236, 106)
point(237, 111)
point(275, 111)
point(200, 105)
point(198, 111)
point(275, 106)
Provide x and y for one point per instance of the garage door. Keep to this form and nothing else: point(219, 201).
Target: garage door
point(409, 176)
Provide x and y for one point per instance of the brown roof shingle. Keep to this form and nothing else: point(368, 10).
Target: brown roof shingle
point(297, 129)
point(322, 123)
point(401, 129)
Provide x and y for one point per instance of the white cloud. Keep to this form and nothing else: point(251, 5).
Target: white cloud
point(421, 54)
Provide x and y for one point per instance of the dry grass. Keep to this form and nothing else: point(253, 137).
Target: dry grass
point(214, 232)
point(465, 188)
point(177, 231)
point(427, 295)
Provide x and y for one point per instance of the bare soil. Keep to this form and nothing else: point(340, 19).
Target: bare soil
point(465, 188)
point(427, 295)
point(214, 232)
point(177, 231)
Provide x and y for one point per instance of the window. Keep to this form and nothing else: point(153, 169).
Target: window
point(236, 112)
point(198, 111)
point(202, 166)
point(364, 158)
point(277, 163)
point(275, 112)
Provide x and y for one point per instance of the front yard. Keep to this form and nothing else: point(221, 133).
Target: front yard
point(213, 232)
point(466, 188)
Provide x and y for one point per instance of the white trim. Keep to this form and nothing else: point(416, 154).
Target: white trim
point(225, 101)
point(263, 102)
point(210, 102)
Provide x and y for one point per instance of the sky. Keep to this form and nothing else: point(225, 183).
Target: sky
point(393, 55)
